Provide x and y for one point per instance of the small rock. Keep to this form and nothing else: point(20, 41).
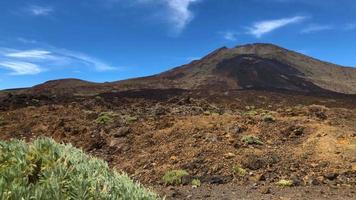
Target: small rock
point(265, 190)
point(159, 110)
point(229, 155)
point(331, 176)
point(186, 180)
point(253, 162)
point(353, 167)
point(217, 179)
point(237, 129)
point(315, 181)
point(260, 177)
point(122, 132)
point(296, 181)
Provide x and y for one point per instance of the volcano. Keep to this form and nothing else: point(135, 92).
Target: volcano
point(253, 66)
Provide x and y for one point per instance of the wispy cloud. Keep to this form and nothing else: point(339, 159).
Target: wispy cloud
point(34, 61)
point(176, 12)
point(85, 59)
point(260, 28)
point(230, 35)
point(21, 68)
point(26, 41)
point(312, 28)
point(180, 15)
point(40, 54)
point(39, 10)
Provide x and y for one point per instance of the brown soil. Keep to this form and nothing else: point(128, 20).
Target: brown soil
point(310, 140)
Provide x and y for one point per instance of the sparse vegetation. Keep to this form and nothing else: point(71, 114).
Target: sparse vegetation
point(131, 119)
point(239, 171)
point(251, 139)
point(265, 114)
point(174, 177)
point(196, 183)
point(285, 183)
point(105, 118)
point(251, 113)
point(45, 169)
point(268, 118)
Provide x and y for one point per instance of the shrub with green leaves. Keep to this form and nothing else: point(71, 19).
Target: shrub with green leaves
point(268, 118)
point(131, 119)
point(250, 139)
point(196, 183)
point(44, 170)
point(174, 177)
point(239, 171)
point(105, 118)
point(285, 183)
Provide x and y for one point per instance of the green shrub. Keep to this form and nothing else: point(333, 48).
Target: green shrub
point(131, 119)
point(285, 183)
point(239, 171)
point(250, 139)
point(174, 177)
point(45, 170)
point(268, 118)
point(251, 113)
point(105, 118)
point(196, 183)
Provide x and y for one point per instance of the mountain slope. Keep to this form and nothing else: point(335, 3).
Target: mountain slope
point(255, 66)
point(252, 66)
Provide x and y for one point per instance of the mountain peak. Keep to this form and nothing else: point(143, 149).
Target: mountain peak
point(253, 66)
point(258, 45)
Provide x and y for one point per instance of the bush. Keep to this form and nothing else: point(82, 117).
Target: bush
point(131, 119)
point(45, 169)
point(268, 118)
point(285, 183)
point(196, 183)
point(105, 118)
point(250, 139)
point(239, 171)
point(174, 177)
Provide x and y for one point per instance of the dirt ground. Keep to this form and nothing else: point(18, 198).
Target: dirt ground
point(309, 140)
point(234, 192)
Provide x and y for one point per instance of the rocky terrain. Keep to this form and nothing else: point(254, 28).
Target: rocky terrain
point(244, 122)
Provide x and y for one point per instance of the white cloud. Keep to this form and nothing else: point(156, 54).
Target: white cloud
point(176, 12)
point(26, 41)
point(40, 54)
point(33, 61)
point(85, 59)
point(230, 35)
point(21, 68)
point(316, 28)
point(180, 15)
point(260, 28)
point(40, 10)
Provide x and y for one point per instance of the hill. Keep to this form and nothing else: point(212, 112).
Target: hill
point(255, 66)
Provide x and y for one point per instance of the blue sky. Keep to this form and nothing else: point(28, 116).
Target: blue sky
point(108, 40)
